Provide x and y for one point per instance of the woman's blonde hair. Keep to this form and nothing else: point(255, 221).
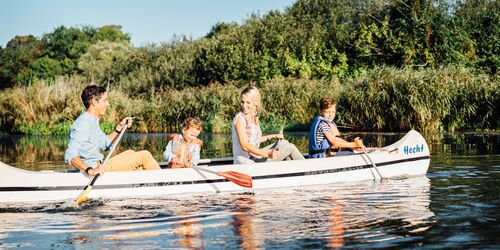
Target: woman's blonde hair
point(254, 95)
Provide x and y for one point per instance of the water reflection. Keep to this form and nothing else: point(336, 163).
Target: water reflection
point(47, 152)
point(456, 206)
point(353, 214)
point(336, 229)
point(190, 234)
point(318, 217)
point(244, 227)
point(33, 152)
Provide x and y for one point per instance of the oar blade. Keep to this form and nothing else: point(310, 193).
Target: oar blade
point(83, 197)
point(237, 178)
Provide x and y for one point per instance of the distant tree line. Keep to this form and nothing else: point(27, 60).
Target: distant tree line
point(26, 59)
point(391, 64)
point(312, 39)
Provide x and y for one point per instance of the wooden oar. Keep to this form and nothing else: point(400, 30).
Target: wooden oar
point(373, 164)
point(83, 195)
point(233, 176)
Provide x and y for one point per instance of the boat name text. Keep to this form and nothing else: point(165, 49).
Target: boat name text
point(412, 150)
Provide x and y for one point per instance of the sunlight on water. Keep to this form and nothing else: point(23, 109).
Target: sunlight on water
point(456, 206)
point(360, 213)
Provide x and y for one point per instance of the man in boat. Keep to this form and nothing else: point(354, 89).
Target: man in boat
point(86, 139)
point(324, 137)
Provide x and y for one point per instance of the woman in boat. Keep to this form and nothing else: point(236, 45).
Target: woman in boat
point(247, 136)
point(183, 150)
point(324, 136)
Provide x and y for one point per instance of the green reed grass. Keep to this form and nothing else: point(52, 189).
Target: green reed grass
point(379, 99)
point(443, 99)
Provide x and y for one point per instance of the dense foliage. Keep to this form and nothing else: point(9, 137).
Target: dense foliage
point(427, 64)
point(311, 39)
point(379, 99)
point(26, 59)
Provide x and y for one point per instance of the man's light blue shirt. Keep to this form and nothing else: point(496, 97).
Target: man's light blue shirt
point(86, 140)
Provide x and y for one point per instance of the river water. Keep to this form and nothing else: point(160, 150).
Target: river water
point(456, 205)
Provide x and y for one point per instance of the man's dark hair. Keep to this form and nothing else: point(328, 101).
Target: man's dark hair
point(90, 92)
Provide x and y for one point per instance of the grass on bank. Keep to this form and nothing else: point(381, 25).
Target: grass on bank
point(380, 99)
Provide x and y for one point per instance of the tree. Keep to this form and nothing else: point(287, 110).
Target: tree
point(220, 28)
point(43, 68)
point(112, 33)
point(66, 42)
point(104, 61)
point(17, 57)
point(481, 19)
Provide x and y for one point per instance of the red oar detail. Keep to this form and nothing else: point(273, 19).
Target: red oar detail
point(237, 178)
point(233, 176)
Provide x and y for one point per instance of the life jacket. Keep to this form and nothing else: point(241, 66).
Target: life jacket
point(318, 150)
point(180, 149)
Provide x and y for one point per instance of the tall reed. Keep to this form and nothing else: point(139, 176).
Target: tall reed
point(379, 99)
point(440, 99)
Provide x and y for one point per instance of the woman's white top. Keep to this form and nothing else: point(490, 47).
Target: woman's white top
point(253, 133)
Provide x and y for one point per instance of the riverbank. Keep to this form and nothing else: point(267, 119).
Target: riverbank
point(380, 99)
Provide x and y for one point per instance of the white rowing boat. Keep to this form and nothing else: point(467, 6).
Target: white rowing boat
point(407, 157)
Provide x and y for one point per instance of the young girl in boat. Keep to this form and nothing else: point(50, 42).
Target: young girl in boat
point(247, 136)
point(324, 137)
point(183, 150)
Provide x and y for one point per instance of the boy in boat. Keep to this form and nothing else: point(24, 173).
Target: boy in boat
point(183, 150)
point(324, 137)
point(86, 139)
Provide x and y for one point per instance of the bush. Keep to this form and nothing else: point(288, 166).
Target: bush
point(380, 99)
point(105, 61)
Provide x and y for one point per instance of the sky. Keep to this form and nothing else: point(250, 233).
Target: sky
point(147, 21)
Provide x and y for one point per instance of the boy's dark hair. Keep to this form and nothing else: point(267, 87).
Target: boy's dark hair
point(90, 92)
point(326, 102)
point(191, 122)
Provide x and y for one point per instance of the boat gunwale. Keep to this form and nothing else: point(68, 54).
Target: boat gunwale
point(215, 180)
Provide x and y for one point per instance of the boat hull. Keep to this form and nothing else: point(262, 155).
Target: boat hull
point(405, 158)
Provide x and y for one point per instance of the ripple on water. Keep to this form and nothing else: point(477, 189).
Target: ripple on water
point(359, 213)
point(466, 167)
point(463, 186)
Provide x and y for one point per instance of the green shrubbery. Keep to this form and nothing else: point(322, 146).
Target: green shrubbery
point(380, 99)
point(27, 59)
point(429, 99)
point(392, 65)
point(312, 39)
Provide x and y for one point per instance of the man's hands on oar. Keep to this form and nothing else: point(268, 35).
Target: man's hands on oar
point(100, 169)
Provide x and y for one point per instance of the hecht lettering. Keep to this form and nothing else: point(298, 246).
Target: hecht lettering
point(412, 150)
